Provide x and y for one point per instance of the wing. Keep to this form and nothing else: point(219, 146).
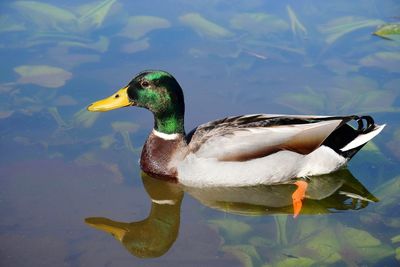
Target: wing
point(253, 136)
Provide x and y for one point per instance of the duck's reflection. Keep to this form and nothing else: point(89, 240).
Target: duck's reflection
point(325, 193)
point(153, 236)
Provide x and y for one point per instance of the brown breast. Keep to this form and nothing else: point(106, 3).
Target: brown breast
point(157, 155)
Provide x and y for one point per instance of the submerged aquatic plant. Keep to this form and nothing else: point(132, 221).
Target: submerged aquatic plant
point(46, 23)
point(387, 60)
point(43, 75)
point(84, 118)
point(311, 242)
point(138, 26)
point(205, 27)
point(258, 24)
point(124, 128)
point(390, 31)
point(57, 117)
point(339, 27)
point(365, 96)
point(297, 27)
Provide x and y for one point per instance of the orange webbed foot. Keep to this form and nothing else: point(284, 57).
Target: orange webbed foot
point(298, 196)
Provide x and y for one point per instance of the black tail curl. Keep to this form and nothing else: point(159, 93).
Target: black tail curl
point(370, 124)
point(345, 133)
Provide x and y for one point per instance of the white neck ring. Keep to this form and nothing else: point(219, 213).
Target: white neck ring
point(166, 136)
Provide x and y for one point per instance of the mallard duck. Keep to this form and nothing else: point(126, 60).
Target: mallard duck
point(240, 150)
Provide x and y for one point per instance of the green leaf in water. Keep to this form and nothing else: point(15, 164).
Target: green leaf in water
point(280, 222)
point(92, 158)
point(107, 141)
point(389, 61)
point(46, 16)
point(258, 23)
point(388, 193)
point(358, 238)
point(389, 31)
point(43, 75)
point(305, 102)
point(7, 88)
point(337, 28)
point(124, 128)
point(87, 158)
point(372, 147)
point(204, 27)
point(259, 241)
point(244, 258)
point(101, 45)
point(65, 100)
point(139, 26)
point(38, 37)
point(219, 49)
point(57, 117)
point(135, 46)
point(231, 230)
point(7, 24)
point(392, 222)
point(349, 94)
point(94, 14)
point(5, 114)
point(340, 67)
point(294, 262)
point(393, 144)
point(324, 246)
point(358, 245)
point(296, 26)
point(246, 254)
point(85, 118)
point(70, 59)
point(48, 24)
point(395, 239)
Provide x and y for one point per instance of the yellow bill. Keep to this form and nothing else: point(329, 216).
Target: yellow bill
point(118, 100)
point(117, 229)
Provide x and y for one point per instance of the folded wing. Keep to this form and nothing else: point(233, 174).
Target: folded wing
point(253, 136)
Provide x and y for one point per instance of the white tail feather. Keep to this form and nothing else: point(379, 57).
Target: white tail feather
point(363, 138)
point(355, 196)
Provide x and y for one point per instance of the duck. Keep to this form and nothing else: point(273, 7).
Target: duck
point(238, 150)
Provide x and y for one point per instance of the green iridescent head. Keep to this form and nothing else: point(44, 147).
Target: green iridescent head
point(155, 90)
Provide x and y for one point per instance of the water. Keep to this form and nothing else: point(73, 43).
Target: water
point(61, 165)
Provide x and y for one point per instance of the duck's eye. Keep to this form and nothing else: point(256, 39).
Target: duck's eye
point(145, 84)
point(117, 95)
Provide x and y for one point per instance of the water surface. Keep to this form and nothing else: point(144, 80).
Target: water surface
point(60, 164)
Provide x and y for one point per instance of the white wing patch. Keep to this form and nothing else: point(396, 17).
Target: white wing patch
point(363, 138)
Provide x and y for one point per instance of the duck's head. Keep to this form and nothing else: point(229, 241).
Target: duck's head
point(155, 90)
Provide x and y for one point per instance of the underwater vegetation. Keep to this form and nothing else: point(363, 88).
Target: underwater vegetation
point(389, 31)
point(42, 75)
point(232, 57)
point(54, 24)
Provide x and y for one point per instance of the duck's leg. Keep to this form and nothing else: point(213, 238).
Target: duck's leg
point(298, 195)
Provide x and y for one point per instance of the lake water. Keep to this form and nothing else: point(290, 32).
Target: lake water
point(69, 178)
